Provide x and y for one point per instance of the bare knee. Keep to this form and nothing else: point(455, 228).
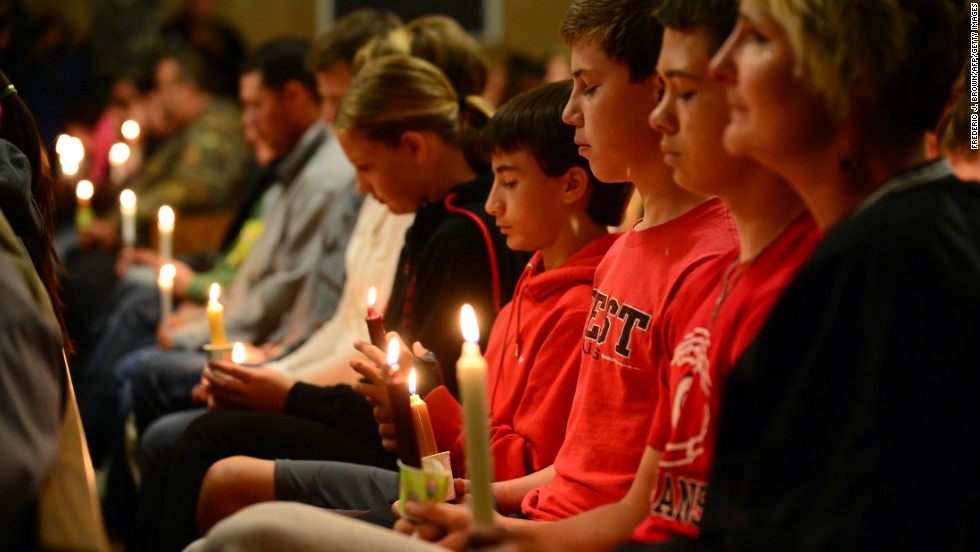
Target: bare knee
point(232, 484)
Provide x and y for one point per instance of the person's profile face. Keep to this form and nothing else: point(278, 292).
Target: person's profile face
point(387, 172)
point(526, 203)
point(262, 111)
point(331, 84)
point(609, 113)
point(775, 116)
point(693, 113)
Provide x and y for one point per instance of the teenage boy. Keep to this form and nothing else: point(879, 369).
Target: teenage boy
point(667, 496)
point(544, 199)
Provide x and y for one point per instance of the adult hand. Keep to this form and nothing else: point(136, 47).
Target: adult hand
point(450, 526)
point(256, 389)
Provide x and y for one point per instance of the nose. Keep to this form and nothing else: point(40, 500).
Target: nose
point(362, 186)
point(722, 66)
point(663, 118)
point(572, 114)
point(494, 206)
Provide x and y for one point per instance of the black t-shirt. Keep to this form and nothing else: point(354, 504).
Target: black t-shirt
point(852, 420)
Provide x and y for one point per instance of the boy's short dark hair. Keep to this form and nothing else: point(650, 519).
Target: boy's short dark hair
point(625, 30)
point(716, 17)
point(532, 122)
point(348, 35)
point(281, 61)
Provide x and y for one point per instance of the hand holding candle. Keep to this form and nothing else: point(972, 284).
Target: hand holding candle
point(165, 231)
point(376, 326)
point(401, 411)
point(471, 372)
point(216, 318)
point(166, 284)
point(421, 421)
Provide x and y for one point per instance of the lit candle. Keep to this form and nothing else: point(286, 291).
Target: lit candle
point(166, 284)
point(70, 152)
point(471, 372)
point(376, 326)
point(420, 417)
point(127, 208)
point(165, 227)
point(118, 155)
point(216, 317)
point(238, 352)
point(401, 411)
point(83, 214)
point(130, 130)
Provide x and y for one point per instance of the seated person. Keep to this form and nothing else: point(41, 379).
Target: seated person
point(545, 199)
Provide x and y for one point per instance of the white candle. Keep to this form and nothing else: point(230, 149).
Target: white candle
point(127, 208)
point(471, 373)
point(118, 155)
point(166, 283)
point(165, 227)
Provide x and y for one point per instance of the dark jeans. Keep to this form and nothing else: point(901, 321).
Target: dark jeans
point(173, 471)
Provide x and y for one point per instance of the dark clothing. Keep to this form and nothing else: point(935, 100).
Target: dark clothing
point(445, 263)
point(851, 422)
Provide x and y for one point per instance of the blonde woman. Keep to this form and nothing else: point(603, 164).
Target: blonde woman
point(850, 422)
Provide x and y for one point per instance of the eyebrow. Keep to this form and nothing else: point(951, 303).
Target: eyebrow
point(505, 167)
point(680, 74)
point(580, 71)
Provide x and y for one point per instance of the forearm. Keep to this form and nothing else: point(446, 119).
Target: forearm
point(510, 494)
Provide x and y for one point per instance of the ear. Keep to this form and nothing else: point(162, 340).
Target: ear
point(575, 185)
point(292, 90)
point(416, 143)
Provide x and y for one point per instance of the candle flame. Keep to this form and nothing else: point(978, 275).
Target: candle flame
point(168, 272)
point(119, 153)
point(214, 292)
point(127, 199)
point(130, 130)
point(61, 144)
point(165, 218)
point(238, 352)
point(372, 296)
point(84, 190)
point(393, 351)
point(411, 381)
point(467, 319)
point(68, 168)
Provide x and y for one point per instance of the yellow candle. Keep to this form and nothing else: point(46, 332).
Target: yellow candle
point(165, 231)
point(471, 373)
point(166, 283)
point(216, 317)
point(127, 208)
point(420, 417)
point(83, 214)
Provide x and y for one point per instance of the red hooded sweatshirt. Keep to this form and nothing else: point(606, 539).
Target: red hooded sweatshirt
point(533, 357)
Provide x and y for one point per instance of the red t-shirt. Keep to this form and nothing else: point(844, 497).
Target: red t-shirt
point(691, 388)
point(625, 336)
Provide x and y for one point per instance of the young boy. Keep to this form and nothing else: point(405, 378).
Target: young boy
point(546, 200)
